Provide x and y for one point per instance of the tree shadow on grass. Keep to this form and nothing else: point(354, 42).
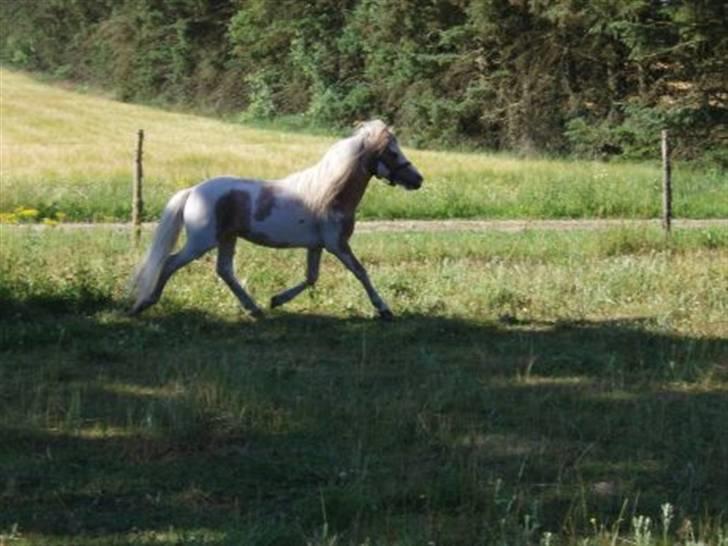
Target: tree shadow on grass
point(427, 427)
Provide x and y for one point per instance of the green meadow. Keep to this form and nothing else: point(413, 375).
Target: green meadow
point(535, 388)
point(67, 155)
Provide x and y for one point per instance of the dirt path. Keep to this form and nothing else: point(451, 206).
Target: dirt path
point(396, 226)
point(523, 225)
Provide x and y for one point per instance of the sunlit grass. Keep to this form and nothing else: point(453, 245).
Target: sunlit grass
point(67, 152)
point(538, 275)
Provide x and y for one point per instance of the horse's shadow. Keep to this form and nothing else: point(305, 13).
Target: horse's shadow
point(388, 410)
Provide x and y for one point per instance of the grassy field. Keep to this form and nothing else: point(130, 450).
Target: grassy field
point(552, 388)
point(68, 155)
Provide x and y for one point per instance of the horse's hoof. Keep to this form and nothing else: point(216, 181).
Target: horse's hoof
point(135, 311)
point(257, 314)
point(386, 315)
point(275, 301)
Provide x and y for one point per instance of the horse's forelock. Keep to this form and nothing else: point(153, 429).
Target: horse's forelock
point(376, 134)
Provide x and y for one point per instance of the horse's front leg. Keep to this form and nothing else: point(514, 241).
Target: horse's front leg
point(313, 259)
point(343, 252)
point(226, 271)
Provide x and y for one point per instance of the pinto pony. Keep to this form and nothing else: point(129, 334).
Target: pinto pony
point(313, 209)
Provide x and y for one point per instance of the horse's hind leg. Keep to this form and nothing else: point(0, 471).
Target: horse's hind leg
point(312, 273)
point(226, 270)
point(171, 265)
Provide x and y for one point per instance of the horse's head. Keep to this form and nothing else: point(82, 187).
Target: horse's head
point(387, 160)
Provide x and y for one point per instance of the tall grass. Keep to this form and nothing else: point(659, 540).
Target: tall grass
point(71, 153)
point(556, 388)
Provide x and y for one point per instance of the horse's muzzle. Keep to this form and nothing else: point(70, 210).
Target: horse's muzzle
point(412, 181)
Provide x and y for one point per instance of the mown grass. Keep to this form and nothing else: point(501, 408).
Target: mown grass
point(535, 387)
point(71, 153)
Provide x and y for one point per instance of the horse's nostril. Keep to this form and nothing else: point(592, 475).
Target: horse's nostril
point(415, 184)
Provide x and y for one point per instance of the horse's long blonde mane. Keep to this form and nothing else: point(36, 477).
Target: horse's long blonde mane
point(320, 184)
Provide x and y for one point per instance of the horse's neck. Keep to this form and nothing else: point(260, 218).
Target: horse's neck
point(350, 192)
point(337, 182)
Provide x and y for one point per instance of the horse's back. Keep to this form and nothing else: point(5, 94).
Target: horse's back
point(265, 213)
point(211, 190)
point(200, 210)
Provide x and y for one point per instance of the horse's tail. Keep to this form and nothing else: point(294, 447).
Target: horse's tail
point(165, 237)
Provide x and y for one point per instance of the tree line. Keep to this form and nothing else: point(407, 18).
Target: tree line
point(595, 78)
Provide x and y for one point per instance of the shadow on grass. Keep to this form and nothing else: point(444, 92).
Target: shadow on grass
point(182, 428)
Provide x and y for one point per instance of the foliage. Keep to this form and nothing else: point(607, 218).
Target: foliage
point(595, 78)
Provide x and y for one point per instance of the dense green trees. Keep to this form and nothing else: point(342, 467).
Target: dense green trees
point(597, 78)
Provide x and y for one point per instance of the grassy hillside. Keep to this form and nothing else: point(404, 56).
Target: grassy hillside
point(536, 388)
point(66, 154)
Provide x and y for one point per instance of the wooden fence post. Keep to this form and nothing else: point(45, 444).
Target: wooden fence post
point(666, 184)
point(137, 202)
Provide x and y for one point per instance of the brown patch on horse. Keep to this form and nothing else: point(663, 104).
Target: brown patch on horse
point(266, 202)
point(232, 211)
